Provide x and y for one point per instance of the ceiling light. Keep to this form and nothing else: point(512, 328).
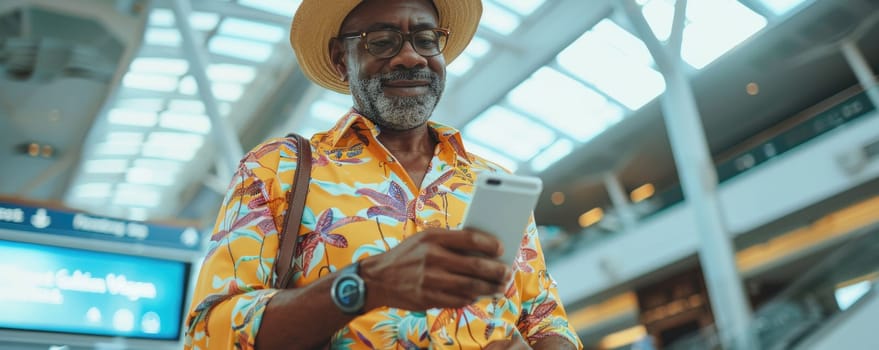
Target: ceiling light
point(641, 193)
point(591, 217)
point(159, 65)
point(132, 117)
point(92, 190)
point(150, 82)
point(752, 88)
point(195, 123)
point(558, 198)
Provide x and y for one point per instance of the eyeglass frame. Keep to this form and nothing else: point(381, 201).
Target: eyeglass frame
point(407, 37)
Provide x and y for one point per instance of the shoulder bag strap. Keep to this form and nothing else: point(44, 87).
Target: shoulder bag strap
point(293, 218)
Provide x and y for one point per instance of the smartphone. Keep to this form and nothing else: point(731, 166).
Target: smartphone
point(502, 205)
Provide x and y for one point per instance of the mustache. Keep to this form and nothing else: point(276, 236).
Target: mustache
point(409, 74)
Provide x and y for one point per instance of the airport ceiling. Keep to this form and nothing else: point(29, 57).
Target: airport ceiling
point(100, 110)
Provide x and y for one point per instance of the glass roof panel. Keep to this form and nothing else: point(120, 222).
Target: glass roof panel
point(611, 59)
point(204, 21)
point(659, 15)
point(460, 65)
point(132, 117)
point(498, 19)
point(521, 138)
point(105, 166)
point(186, 106)
point(146, 176)
point(782, 7)
point(240, 48)
point(523, 7)
point(717, 27)
point(195, 123)
point(143, 104)
point(171, 152)
point(234, 73)
point(552, 154)
point(161, 17)
point(159, 65)
point(487, 153)
point(565, 104)
point(151, 82)
point(175, 139)
point(137, 195)
point(227, 91)
point(93, 190)
point(244, 29)
point(162, 37)
point(281, 7)
point(326, 110)
point(158, 165)
point(478, 47)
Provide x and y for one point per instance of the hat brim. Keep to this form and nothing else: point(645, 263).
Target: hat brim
point(317, 22)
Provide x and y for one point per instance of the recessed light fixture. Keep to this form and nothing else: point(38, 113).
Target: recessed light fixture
point(753, 89)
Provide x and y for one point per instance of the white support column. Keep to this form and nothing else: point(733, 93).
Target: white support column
point(229, 147)
point(862, 70)
point(620, 200)
point(729, 303)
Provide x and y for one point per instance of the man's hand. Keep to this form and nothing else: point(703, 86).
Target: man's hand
point(436, 269)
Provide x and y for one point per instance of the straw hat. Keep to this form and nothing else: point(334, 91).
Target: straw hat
point(318, 21)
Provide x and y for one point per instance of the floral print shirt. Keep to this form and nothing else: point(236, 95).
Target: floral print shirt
point(361, 202)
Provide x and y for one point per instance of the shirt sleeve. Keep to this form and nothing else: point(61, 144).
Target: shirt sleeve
point(234, 283)
point(543, 314)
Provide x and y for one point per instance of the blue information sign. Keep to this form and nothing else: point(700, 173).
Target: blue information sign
point(79, 225)
point(54, 289)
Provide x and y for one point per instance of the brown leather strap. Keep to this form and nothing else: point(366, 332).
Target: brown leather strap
point(295, 206)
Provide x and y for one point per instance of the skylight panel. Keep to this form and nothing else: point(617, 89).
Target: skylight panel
point(521, 138)
point(176, 139)
point(186, 106)
point(478, 47)
point(151, 82)
point(137, 195)
point(717, 27)
point(118, 143)
point(141, 104)
point(195, 123)
point(660, 16)
point(93, 190)
point(488, 153)
point(233, 73)
point(227, 91)
point(328, 111)
point(613, 60)
point(251, 30)
point(498, 19)
point(146, 176)
point(565, 104)
point(281, 7)
point(130, 117)
point(460, 65)
point(204, 21)
point(158, 65)
point(169, 152)
point(138, 214)
point(240, 48)
point(552, 154)
point(161, 17)
point(782, 7)
point(169, 166)
point(188, 86)
point(162, 36)
point(105, 166)
point(523, 7)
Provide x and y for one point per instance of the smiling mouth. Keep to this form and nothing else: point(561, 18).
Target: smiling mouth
point(406, 83)
point(406, 87)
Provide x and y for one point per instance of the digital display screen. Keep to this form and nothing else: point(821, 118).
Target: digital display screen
point(54, 289)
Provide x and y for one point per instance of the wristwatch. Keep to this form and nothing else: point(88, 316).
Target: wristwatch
point(348, 291)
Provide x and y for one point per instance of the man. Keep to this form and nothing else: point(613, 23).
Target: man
point(380, 261)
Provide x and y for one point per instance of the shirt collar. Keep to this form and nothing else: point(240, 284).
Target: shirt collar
point(352, 122)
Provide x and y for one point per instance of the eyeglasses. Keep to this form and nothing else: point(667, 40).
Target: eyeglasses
point(387, 43)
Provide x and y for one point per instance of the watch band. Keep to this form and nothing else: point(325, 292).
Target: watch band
point(349, 291)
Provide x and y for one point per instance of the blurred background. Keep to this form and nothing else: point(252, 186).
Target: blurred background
point(755, 225)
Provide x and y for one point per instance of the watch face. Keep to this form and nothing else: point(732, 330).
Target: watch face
point(348, 292)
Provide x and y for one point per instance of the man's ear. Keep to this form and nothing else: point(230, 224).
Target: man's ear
point(337, 55)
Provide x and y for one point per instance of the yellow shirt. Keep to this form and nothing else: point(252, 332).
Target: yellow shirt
point(361, 202)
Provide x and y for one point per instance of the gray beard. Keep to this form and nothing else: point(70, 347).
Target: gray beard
point(396, 113)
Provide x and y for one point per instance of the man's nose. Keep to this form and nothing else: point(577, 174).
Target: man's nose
point(407, 57)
